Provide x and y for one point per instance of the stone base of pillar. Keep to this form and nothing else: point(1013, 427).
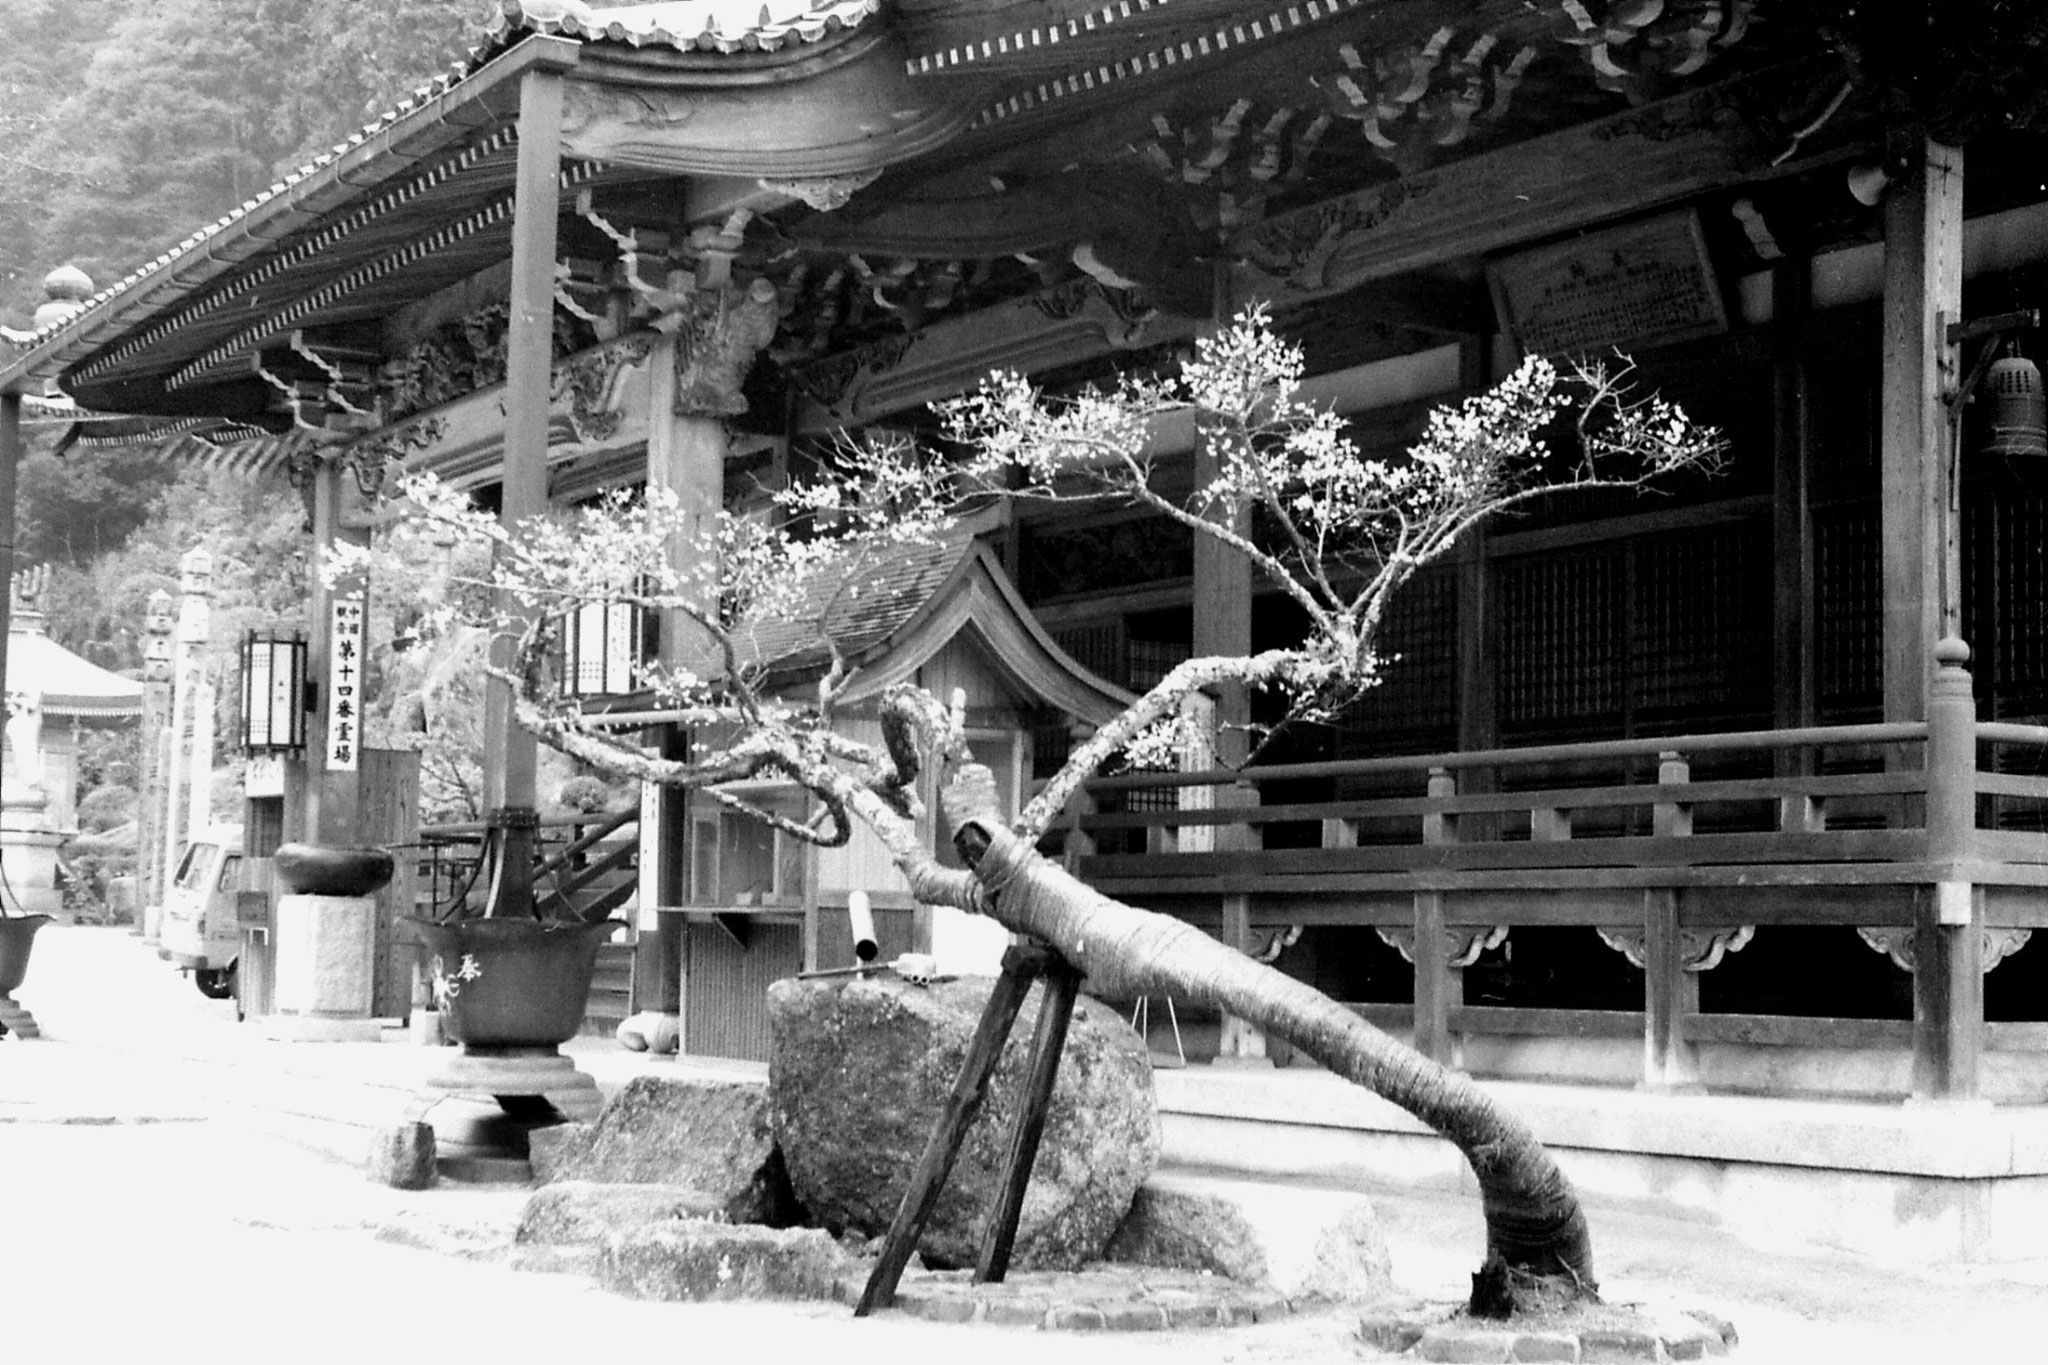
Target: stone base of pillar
point(1241, 1040)
point(318, 1028)
point(324, 971)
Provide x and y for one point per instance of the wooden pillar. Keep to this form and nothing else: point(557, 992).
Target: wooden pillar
point(1439, 988)
point(330, 793)
point(1223, 619)
point(1923, 281)
point(1792, 698)
point(1948, 965)
point(10, 469)
point(511, 754)
point(1670, 992)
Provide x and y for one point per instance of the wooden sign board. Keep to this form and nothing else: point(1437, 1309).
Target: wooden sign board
point(1643, 284)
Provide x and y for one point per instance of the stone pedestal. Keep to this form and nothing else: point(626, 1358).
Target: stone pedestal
point(495, 1097)
point(325, 969)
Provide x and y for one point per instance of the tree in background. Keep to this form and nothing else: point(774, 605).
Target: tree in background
point(127, 119)
point(1336, 532)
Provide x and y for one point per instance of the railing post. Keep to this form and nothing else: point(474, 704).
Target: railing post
point(1670, 992)
point(1437, 986)
point(1948, 976)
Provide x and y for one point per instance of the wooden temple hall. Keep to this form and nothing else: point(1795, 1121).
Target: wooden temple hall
point(1712, 822)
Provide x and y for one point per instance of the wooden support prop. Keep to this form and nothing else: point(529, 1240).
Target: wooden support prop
point(1022, 964)
point(1062, 985)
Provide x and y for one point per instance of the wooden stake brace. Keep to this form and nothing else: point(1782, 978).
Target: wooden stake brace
point(1022, 964)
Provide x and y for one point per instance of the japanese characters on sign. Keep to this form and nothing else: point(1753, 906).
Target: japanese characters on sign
point(345, 683)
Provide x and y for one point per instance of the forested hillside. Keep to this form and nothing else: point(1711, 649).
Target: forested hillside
point(124, 126)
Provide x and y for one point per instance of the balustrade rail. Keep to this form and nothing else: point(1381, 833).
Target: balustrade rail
point(1929, 838)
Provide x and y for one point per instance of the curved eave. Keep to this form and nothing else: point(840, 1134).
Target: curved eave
point(979, 597)
point(382, 152)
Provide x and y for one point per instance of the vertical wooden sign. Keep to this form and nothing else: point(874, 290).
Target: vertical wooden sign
point(345, 682)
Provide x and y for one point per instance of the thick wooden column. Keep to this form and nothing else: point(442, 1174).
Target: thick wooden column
point(1792, 702)
point(1948, 939)
point(1223, 619)
point(1923, 285)
point(510, 754)
point(330, 796)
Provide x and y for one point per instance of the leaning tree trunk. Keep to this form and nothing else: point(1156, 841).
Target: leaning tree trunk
point(1533, 1221)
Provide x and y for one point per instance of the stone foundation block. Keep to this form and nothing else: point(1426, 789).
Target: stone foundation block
point(696, 1261)
point(575, 1212)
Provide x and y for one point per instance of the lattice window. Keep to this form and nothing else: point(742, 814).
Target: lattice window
point(1097, 646)
point(2011, 531)
point(1699, 639)
point(1561, 639)
point(1151, 661)
point(1848, 613)
point(1415, 707)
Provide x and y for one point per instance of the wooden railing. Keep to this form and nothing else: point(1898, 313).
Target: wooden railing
point(1923, 834)
point(575, 875)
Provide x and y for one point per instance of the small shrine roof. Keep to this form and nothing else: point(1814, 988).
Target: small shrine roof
point(913, 602)
point(68, 685)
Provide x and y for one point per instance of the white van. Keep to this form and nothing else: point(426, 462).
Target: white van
point(200, 931)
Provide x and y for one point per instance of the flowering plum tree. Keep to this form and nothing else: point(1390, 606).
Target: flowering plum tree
point(1337, 532)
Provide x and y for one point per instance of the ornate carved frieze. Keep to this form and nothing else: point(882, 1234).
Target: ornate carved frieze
point(1693, 143)
point(372, 459)
point(1700, 950)
point(1896, 942)
point(1077, 321)
point(462, 357)
point(590, 382)
point(1462, 947)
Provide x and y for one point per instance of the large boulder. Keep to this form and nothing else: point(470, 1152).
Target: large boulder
point(858, 1071)
point(704, 1133)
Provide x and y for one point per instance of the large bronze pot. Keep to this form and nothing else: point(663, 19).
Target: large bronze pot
point(17, 936)
point(511, 982)
point(320, 870)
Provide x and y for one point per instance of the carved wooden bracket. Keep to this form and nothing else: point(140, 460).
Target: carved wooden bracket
point(1462, 947)
point(1896, 943)
point(722, 330)
point(1700, 950)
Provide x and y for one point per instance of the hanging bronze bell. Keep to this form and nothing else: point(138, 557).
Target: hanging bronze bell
point(2017, 408)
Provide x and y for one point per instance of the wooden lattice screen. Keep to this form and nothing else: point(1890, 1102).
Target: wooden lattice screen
point(1663, 631)
point(1699, 626)
point(1561, 640)
point(1848, 614)
point(1414, 709)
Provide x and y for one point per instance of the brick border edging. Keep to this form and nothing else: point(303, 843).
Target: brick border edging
point(1088, 1301)
point(1440, 1332)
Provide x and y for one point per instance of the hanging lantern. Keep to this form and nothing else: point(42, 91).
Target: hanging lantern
point(602, 649)
point(273, 693)
point(2018, 408)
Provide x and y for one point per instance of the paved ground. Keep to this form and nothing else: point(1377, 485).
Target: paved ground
point(176, 1185)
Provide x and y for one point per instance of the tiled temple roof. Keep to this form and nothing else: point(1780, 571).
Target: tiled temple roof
point(687, 25)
